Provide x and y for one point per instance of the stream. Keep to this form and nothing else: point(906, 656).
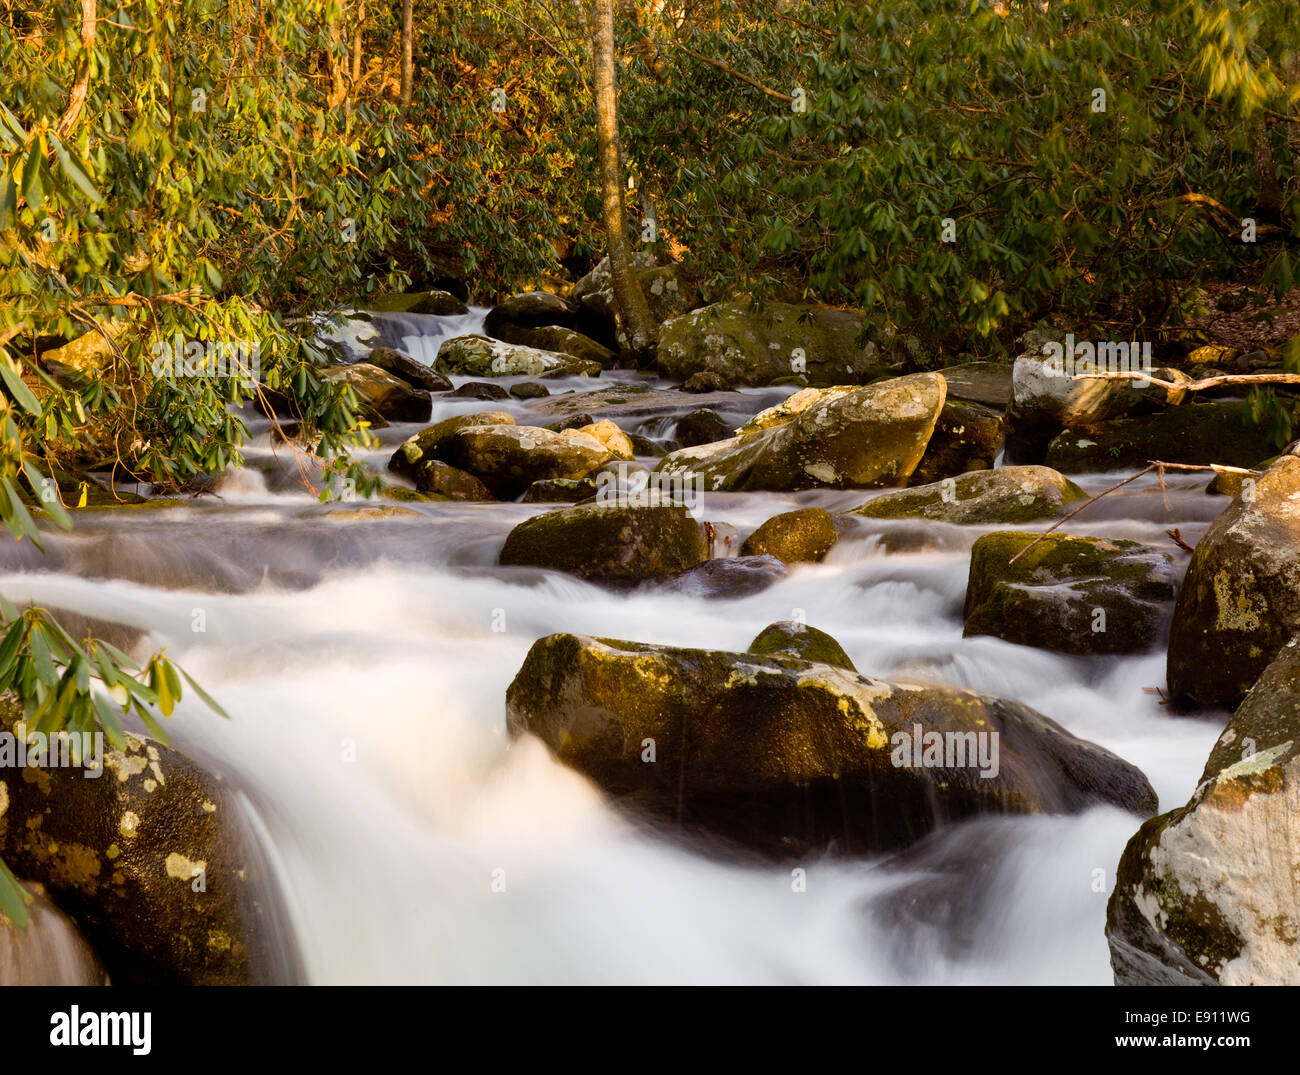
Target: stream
point(364, 658)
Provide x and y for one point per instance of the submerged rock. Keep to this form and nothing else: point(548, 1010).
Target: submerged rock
point(1210, 893)
point(1240, 600)
point(1005, 495)
point(1070, 594)
point(787, 756)
point(609, 543)
point(793, 537)
point(729, 577)
point(864, 438)
point(153, 861)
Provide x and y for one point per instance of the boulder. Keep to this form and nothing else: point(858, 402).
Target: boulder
point(406, 368)
point(1196, 433)
point(860, 439)
point(616, 442)
point(509, 458)
point(558, 340)
point(802, 536)
point(967, 437)
point(985, 383)
point(1005, 495)
point(479, 356)
point(728, 577)
point(668, 290)
point(1210, 893)
point(426, 443)
point(790, 638)
point(1240, 600)
point(706, 381)
point(381, 395)
point(560, 491)
point(484, 390)
point(447, 482)
point(701, 426)
point(609, 543)
point(756, 347)
point(529, 390)
point(533, 308)
point(435, 303)
point(1082, 595)
point(787, 756)
point(154, 862)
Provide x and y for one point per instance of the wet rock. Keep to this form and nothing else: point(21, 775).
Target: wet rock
point(861, 439)
point(509, 458)
point(705, 381)
point(381, 395)
point(1196, 433)
point(1080, 595)
point(154, 863)
point(967, 437)
point(757, 347)
point(729, 577)
point(668, 290)
point(481, 390)
point(642, 445)
point(985, 383)
point(1005, 495)
point(560, 491)
point(529, 390)
point(616, 442)
point(532, 308)
point(1209, 893)
point(434, 303)
point(803, 536)
point(406, 368)
point(480, 356)
point(426, 443)
point(1240, 600)
point(448, 482)
point(609, 543)
point(50, 951)
point(786, 756)
point(556, 339)
point(701, 426)
point(789, 638)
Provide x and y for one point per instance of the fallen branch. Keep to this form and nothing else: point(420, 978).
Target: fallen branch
point(1159, 467)
point(1196, 386)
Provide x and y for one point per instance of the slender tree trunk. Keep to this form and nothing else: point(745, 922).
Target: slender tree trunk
point(81, 85)
point(408, 53)
point(639, 330)
point(356, 45)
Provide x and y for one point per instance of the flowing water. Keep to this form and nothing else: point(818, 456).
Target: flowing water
point(365, 660)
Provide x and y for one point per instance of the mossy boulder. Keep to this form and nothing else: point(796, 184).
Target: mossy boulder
point(509, 458)
point(557, 339)
point(967, 437)
point(381, 395)
point(560, 491)
point(864, 438)
point(154, 862)
point(532, 308)
point(435, 303)
point(668, 289)
point(447, 482)
point(408, 369)
point(426, 443)
point(609, 543)
point(789, 638)
point(757, 347)
point(1210, 893)
point(788, 756)
point(701, 426)
point(1005, 495)
point(479, 356)
point(484, 390)
point(1196, 433)
point(805, 535)
point(1240, 600)
point(1082, 595)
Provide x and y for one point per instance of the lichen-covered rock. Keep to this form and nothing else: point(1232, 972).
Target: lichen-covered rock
point(1005, 495)
point(509, 458)
point(557, 339)
point(1196, 433)
point(805, 535)
point(560, 491)
point(786, 756)
point(50, 951)
point(406, 368)
point(1240, 600)
point(967, 437)
point(425, 444)
point(1210, 893)
point(479, 356)
point(757, 347)
point(1046, 399)
point(790, 638)
point(669, 291)
point(860, 439)
point(609, 543)
point(153, 861)
point(381, 395)
point(435, 303)
point(1070, 594)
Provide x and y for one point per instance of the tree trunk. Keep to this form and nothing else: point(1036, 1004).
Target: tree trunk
point(81, 86)
point(408, 52)
point(638, 328)
point(356, 45)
